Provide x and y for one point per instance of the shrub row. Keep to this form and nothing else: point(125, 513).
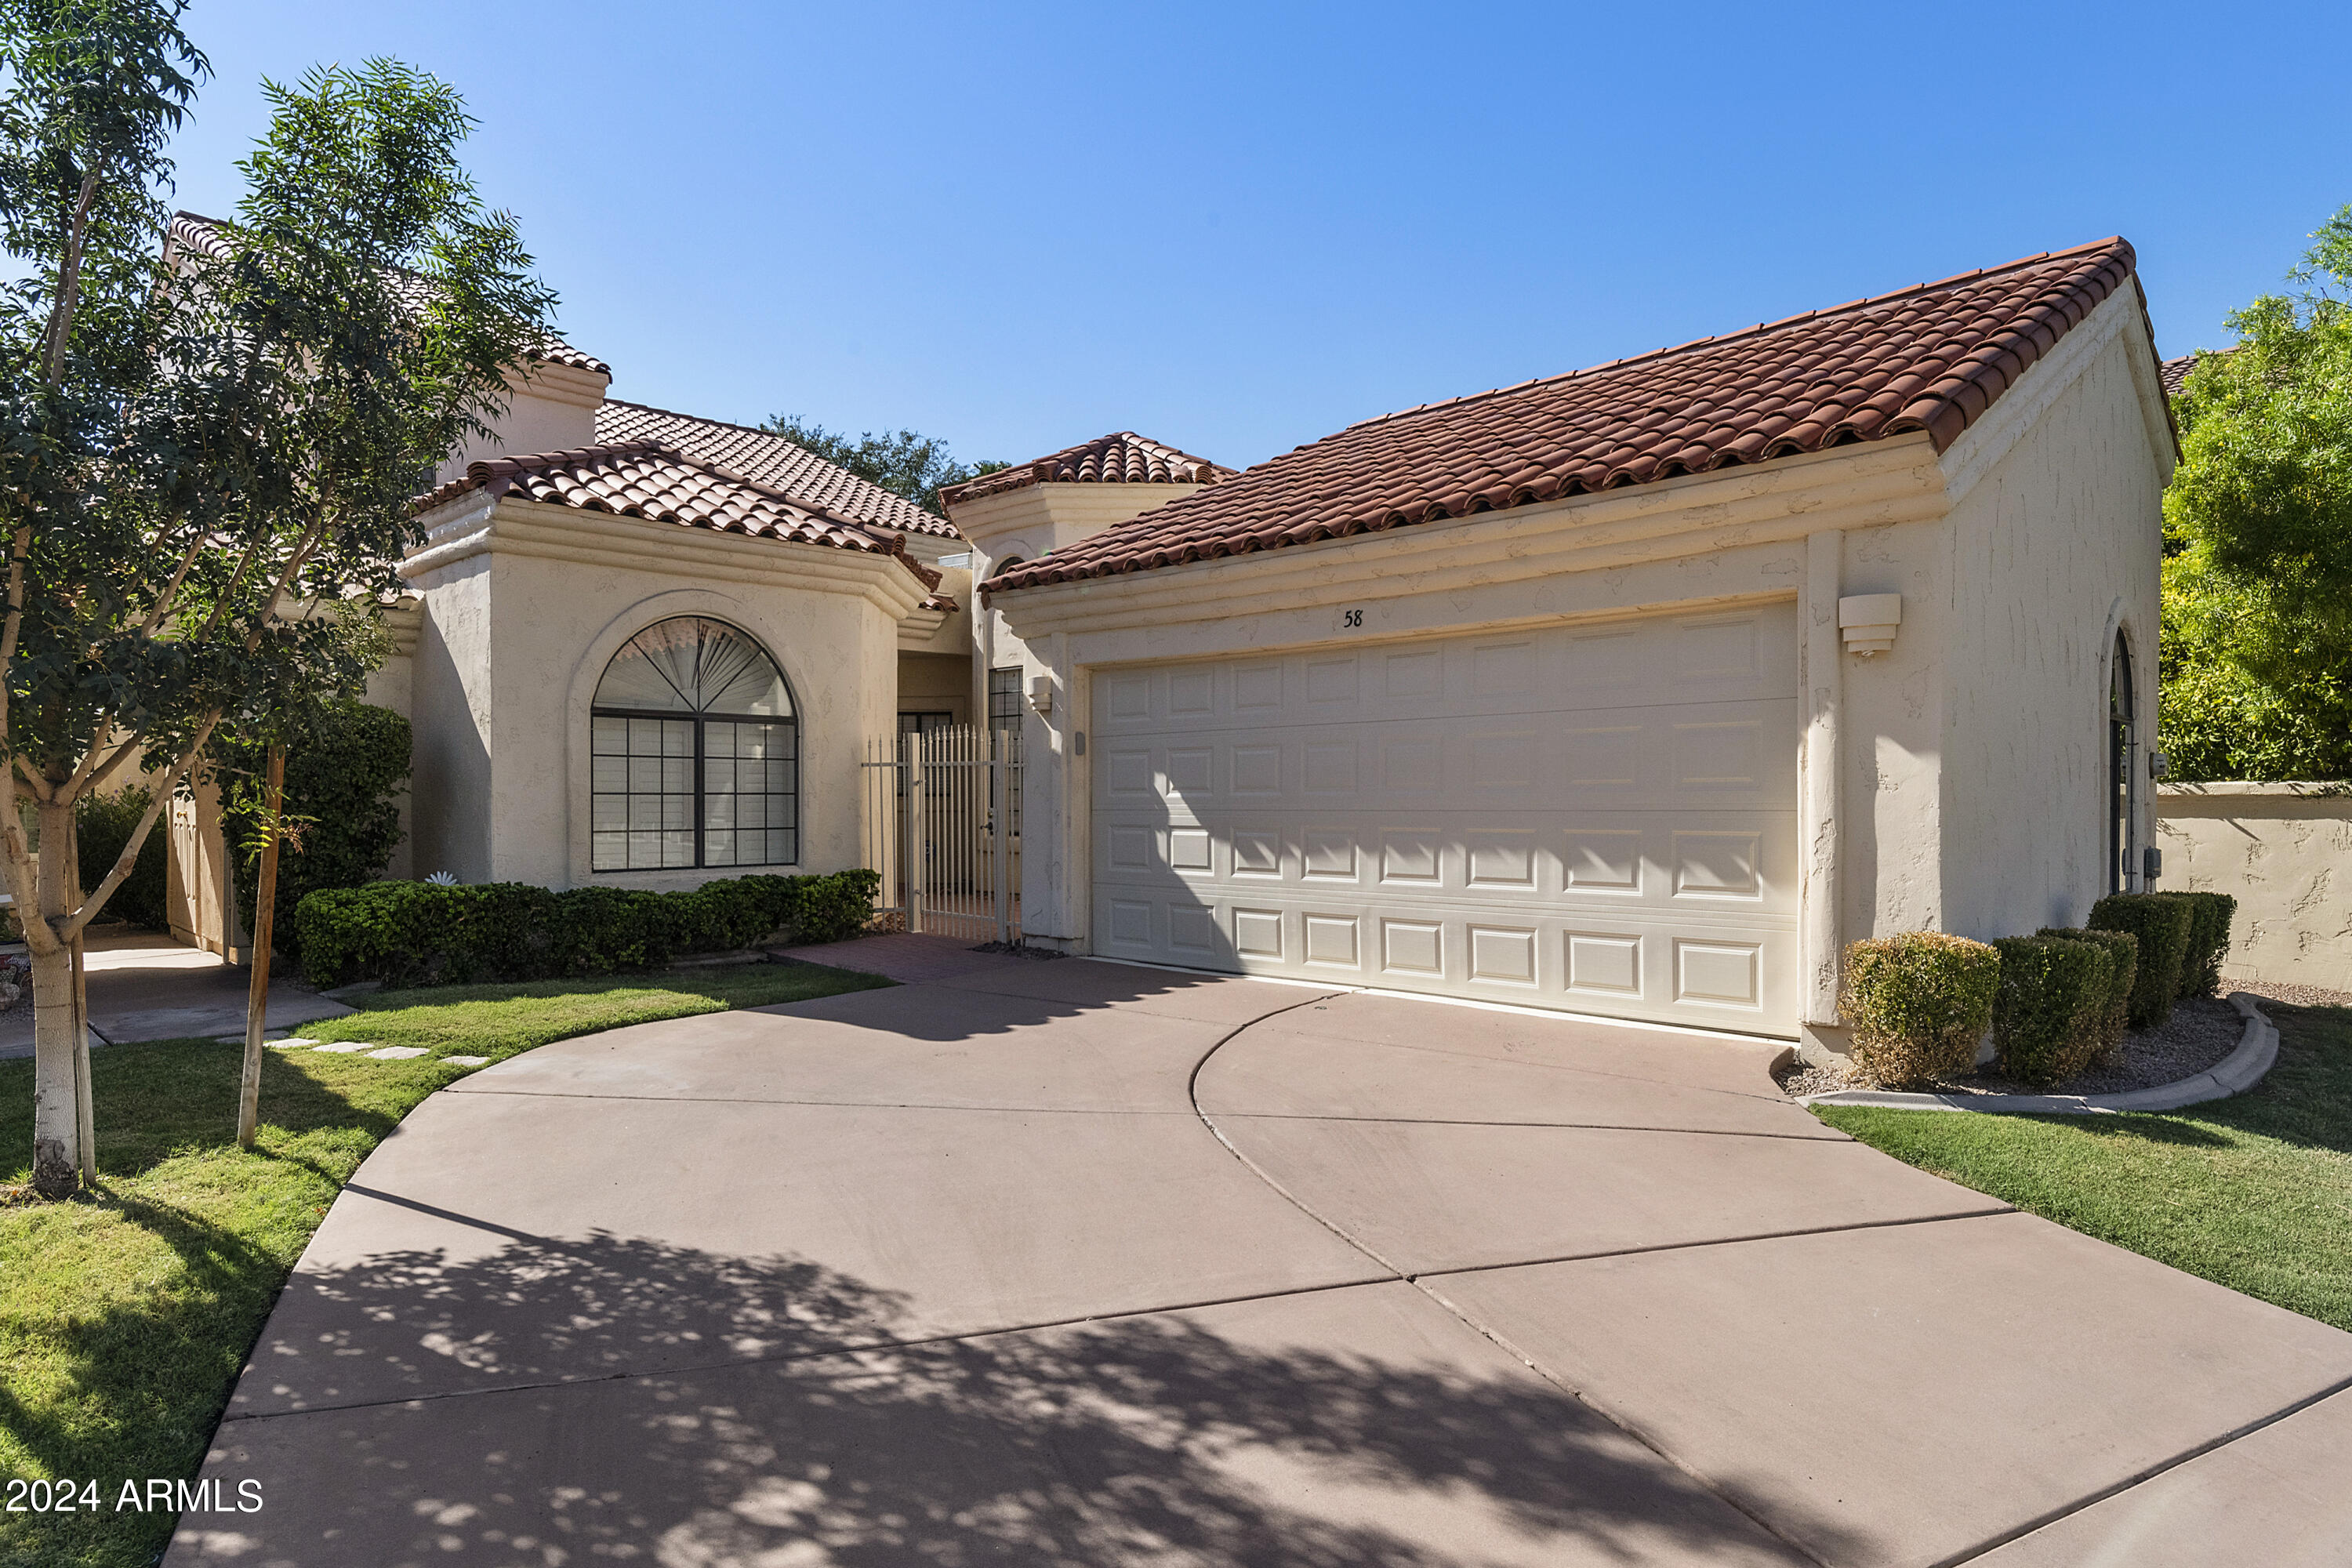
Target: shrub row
point(2183, 937)
point(2055, 1002)
point(413, 933)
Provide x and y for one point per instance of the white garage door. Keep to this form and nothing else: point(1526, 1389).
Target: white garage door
point(1600, 818)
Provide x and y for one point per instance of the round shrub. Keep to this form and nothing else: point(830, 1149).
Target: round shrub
point(2122, 949)
point(1918, 1004)
point(2047, 1013)
point(2209, 918)
point(2161, 924)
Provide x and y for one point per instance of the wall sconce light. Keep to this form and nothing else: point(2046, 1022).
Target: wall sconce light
point(1040, 693)
point(1868, 621)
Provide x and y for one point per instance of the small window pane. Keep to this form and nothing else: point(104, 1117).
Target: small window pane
point(608, 736)
point(608, 775)
point(718, 740)
point(608, 813)
point(718, 847)
point(608, 851)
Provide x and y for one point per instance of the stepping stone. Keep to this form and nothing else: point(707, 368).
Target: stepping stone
point(465, 1061)
point(295, 1044)
point(397, 1053)
point(344, 1048)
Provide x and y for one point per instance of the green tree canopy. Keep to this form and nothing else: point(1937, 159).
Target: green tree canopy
point(900, 461)
point(2257, 644)
point(208, 447)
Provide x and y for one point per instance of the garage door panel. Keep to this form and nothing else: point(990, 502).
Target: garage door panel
point(1720, 974)
point(1723, 656)
point(1688, 756)
point(1600, 819)
point(1732, 863)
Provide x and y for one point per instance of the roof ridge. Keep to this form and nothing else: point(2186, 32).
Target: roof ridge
point(810, 453)
point(1740, 334)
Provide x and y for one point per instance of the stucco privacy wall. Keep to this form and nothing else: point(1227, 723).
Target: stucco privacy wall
point(502, 698)
point(2054, 542)
point(2284, 852)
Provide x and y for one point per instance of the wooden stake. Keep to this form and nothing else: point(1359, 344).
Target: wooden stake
point(265, 910)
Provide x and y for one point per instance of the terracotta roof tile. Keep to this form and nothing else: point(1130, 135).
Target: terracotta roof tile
point(2176, 371)
point(1121, 457)
point(198, 233)
point(655, 482)
point(773, 460)
point(1931, 358)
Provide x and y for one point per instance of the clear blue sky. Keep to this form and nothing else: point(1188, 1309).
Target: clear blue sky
point(1237, 227)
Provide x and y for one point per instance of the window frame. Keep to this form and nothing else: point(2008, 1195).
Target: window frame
point(700, 719)
point(2123, 723)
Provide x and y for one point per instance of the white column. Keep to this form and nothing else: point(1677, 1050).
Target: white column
point(1822, 936)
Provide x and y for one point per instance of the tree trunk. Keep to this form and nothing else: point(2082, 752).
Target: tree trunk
point(58, 1082)
point(264, 913)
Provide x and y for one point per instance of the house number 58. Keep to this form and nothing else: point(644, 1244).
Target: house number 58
point(1350, 619)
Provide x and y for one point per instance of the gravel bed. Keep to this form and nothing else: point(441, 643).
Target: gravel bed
point(2293, 996)
point(2200, 1033)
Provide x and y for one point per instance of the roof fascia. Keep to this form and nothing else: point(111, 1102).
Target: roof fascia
point(550, 533)
point(1985, 443)
point(1867, 485)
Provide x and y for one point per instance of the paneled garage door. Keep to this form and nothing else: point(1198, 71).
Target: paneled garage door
point(1600, 819)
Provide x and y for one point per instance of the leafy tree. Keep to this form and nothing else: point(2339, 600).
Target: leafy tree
point(208, 447)
point(900, 461)
point(2257, 647)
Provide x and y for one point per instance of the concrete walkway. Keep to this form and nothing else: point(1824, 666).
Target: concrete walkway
point(1075, 1264)
point(144, 986)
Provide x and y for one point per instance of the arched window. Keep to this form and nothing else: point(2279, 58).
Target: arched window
point(2120, 717)
point(695, 754)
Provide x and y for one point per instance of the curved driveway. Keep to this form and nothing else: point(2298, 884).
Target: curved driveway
point(1074, 1263)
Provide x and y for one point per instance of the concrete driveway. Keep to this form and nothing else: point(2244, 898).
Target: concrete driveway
point(1073, 1264)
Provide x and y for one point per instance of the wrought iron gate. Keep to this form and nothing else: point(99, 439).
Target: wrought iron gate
point(935, 801)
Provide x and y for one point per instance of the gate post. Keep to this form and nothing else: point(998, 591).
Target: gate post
point(918, 857)
point(999, 822)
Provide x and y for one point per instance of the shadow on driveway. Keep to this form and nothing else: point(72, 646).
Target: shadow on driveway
point(1356, 1426)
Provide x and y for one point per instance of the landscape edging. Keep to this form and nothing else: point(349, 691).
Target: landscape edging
point(2233, 1074)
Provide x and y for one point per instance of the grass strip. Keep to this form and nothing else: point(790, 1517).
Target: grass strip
point(125, 1315)
point(2253, 1191)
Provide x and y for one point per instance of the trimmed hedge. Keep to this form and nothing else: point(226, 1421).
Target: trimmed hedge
point(346, 768)
point(412, 933)
point(2122, 949)
point(1918, 1004)
point(2161, 921)
point(2210, 915)
point(102, 826)
point(2046, 1014)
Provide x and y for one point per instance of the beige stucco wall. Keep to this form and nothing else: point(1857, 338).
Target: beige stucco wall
point(2284, 852)
point(551, 410)
point(936, 683)
point(2052, 548)
point(523, 607)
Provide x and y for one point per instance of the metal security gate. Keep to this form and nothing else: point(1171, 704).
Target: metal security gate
point(934, 801)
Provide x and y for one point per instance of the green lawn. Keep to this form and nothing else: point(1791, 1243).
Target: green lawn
point(125, 1316)
point(2255, 1193)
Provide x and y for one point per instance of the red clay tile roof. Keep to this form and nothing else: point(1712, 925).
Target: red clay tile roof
point(652, 480)
point(196, 232)
point(1121, 457)
point(943, 602)
point(1932, 358)
point(771, 459)
point(2176, 371)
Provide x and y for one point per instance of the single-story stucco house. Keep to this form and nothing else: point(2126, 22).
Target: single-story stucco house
point(1637, 691)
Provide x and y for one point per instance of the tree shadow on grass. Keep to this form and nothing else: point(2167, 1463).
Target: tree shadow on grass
point(617, 1397)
